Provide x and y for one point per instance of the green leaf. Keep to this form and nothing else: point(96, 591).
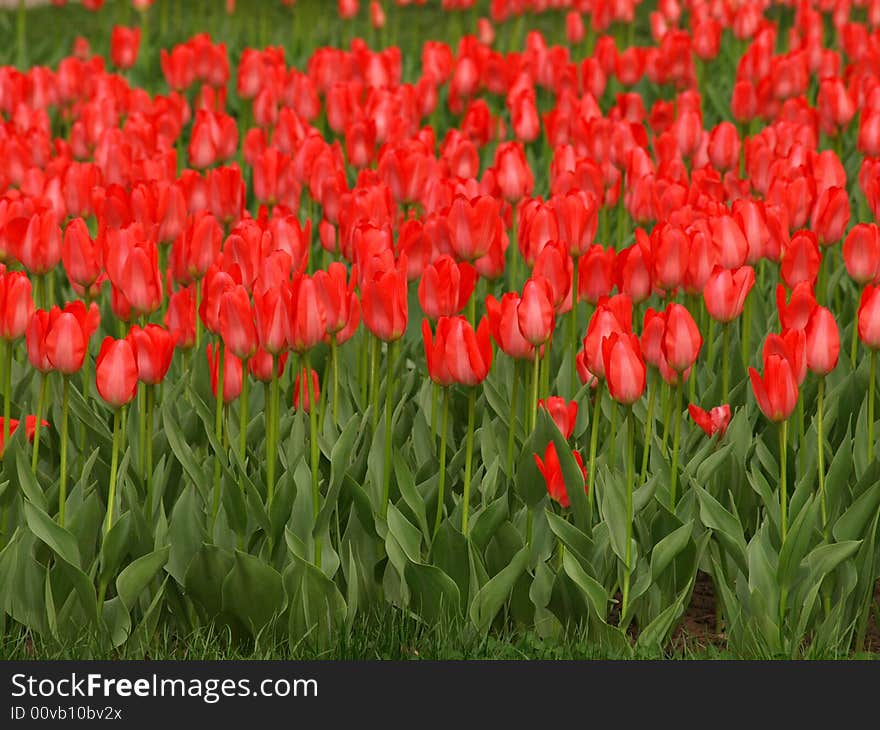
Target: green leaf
point(252, 592)
point(725, 525)
point(136, 576)
point(433, 594)
point(205, 575)
point(573, 539)
point(825, 558)
point(852, 524)
point(592, 589)
point(665, 550)
point(572, 474)
point(797, 543)
point(114, 546)
point(491, 597)
point(181, 449)
point(56, 537)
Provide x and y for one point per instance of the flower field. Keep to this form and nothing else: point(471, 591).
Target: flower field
point(517, 315)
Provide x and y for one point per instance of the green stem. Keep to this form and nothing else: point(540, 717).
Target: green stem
point(41, 406)
point(872, 377)
point(533, 417)
point(218, 427)
point(313, 446)
point(511, 424)
point(676, 441)
point(389, 418)
point(725, 364)
point(441, 485)
point(334, 366)
point(854, 347)
point(142, 433)
point(783, 510)
point(649, 427)
point(151, 397)
point(573, 319)
point(594, 441)
point(630, 455)
point(7, 390)
point(468, 459)
point(114, 466)
point(820, 455)
point(747, 331)
point(62, 485)
point(243, 418)
point(435, 396)
point(272, 434)
point(374, 388)
point(20, 35)
point(198, 318)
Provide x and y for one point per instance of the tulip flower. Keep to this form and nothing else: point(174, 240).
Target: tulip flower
point(869, 334)
point(713, 421)
point(303, 397)
point(725, 295)
point(795, 313)
point(13, 424)
point(83, 259)
point(564, 413)
point(124, 45)
point(116, 376)
point(551, 470)
point(445, 287)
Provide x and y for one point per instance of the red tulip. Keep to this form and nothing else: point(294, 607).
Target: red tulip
point(260, 365)
point(30, 428)
point(272, 317)
point(714, 421)
point(564, 413)
point(445, 287)
point(577, 217)
point(36, 241)
point(384, 303)
point(535, 312)
point(237, 323)
point(513, 172)
point(830, 215)
point(457, 354)
point(116, 372)
point(59, 339)
point(180, 319)
point(551, 470)
point(153, 349)
point(504, 325)
point(869, 317)
point(801, 259)
point(596, 274)
point(83, 258)
point(651, 341)
point(124, 45)
point(724, 147)
point(232, 371)
point(822, 342)
point(612, 315)
point(681, 340)
point(777, 391)
point(725, 292)
point(473, 225)
point(555, 266)
point(792, 345)
point(861, 253)
point(132, 262)
point(796, 313)
point(305, 324)
point(312, 390)
point(16, 304)
point(342, 311)
point(730, 241)
point(624, 367)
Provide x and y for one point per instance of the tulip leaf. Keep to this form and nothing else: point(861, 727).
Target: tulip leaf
point(136, 576)
point(252, 592)
point(487, 602)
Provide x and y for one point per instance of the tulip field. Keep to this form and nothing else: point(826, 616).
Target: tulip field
point(553, 319)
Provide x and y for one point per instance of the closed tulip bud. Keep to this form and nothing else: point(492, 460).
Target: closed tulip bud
point(457, 354)
point(16, 305)
point(36, 241)
point(504, 326)
point(777, 391)
point(215, 285)
point(83, 257)
point(445, 287)
point(237, 323)
point(651, 341)
point(306, 390)
point(305, 324)
point(472, 226)
point(584, 374)
point(564, 413)
point(535, 312)
point(625, 370)
point(670, 255)
point(577, 218)
point(634, 272)
point(681, 340)
point(714, 421)
point(596, 274)
point(555, 266)
point(116, 372)
point(574, 27)
point(513, 172)
point(822, 342)
point(132, 262)
point(861, 253)
point(801, 259)
point(377, 15)
point(232, 371)
point(612, 315)
point(724, 147)
point(869, 317)
point(830, 216)
point(272, 315)
point(730, 241)
point(384, 303)
point(551, 470)
point(260, 365)
point(124, 45)
point(725, 292)
point(153, 349)
point(30, 428)
point(180, 319)
point(796, 312)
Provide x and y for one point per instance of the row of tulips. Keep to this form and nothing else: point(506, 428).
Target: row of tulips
point(355, 367)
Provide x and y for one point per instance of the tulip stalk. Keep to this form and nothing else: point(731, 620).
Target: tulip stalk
point(218, 427)
point(62, 485)
point(334, 369)
point(150, 401)
point(114, 468)
point(594, 441)
point(630, 457)
point(272, 433)
point(20, 35)
point(441, 484)
point(872, 377)
point(783, 507)
point(511, 424)
point(313, 448)
point(747, 331)
point(243, 417)
point(649, 426)
point(374, 388)
point(468, 461)
point(676, 442)
point(7, 389)
point(41, 405)
point(389, 417)
point(573, 333)
point(725, 364)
